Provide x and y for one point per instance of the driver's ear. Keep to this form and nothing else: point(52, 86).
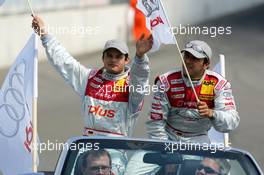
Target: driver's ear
point(127, 59)
point(207, 64)
point(103, 55)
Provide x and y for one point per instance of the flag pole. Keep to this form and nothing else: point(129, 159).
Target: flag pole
point(30, 7)
point(179, 50)
point(223, 73)
point(34, 109)
point(35, 102)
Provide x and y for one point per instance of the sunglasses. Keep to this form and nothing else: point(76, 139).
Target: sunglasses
point(197, 48)
point(207, 170)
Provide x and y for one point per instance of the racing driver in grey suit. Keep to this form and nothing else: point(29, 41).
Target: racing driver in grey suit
point(112, 96)
point(175, 113)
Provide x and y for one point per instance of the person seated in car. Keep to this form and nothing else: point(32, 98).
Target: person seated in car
point(94, 162)
point(211, 166)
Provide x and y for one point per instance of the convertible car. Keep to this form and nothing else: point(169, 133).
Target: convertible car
point(130, 156)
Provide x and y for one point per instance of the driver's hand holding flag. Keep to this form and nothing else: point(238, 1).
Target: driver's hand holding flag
point(156, 22)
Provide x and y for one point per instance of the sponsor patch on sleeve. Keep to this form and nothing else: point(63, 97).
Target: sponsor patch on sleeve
point(93, 73)
point(120, 82)
point(165, 82)
point(177, 89)
point(178, 96)
point(227, 86)
point(156, 106)
point(96, 86)
point(176, 81)
point(156, 116)
point(220, 85)
point(207, 88)
point(229, 104)
point(98, 80)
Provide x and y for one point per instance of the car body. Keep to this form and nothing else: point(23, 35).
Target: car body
point(141, 153)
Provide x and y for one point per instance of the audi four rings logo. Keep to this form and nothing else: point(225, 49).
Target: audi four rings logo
point(12, 106)
point(150, 6)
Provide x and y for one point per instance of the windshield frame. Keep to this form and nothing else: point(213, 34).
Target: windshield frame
point(68, 156)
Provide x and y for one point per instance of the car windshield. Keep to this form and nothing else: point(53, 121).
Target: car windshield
point(134, 157)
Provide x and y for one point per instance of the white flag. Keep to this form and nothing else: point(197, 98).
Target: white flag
point(16, 113)
point(215, 136)
point(156, 22)
point(2, 2)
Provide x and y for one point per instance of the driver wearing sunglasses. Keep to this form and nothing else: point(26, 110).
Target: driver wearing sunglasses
point(210, 166)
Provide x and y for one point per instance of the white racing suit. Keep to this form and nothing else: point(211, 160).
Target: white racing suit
point(174, 114)
point(110, 103)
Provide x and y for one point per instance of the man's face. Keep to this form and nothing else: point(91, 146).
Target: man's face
point(97, 166)
point(195, 66)
point(114, 61)
point(208, 167)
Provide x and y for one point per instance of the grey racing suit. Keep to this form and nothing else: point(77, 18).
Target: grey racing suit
point(174, 114)
point(110, 103)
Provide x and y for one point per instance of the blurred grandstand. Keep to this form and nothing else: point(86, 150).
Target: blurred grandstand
point(20, 6)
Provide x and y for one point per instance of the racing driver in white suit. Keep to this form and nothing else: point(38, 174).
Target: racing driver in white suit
point(112, 96)
point(175, 113)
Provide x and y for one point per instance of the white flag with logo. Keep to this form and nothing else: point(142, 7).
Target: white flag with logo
point(156, 22)
point(215, 136)
point(16, 97)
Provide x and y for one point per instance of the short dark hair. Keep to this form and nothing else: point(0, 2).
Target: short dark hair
point(82, 159)
point(206, 60)
point(95, 153)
